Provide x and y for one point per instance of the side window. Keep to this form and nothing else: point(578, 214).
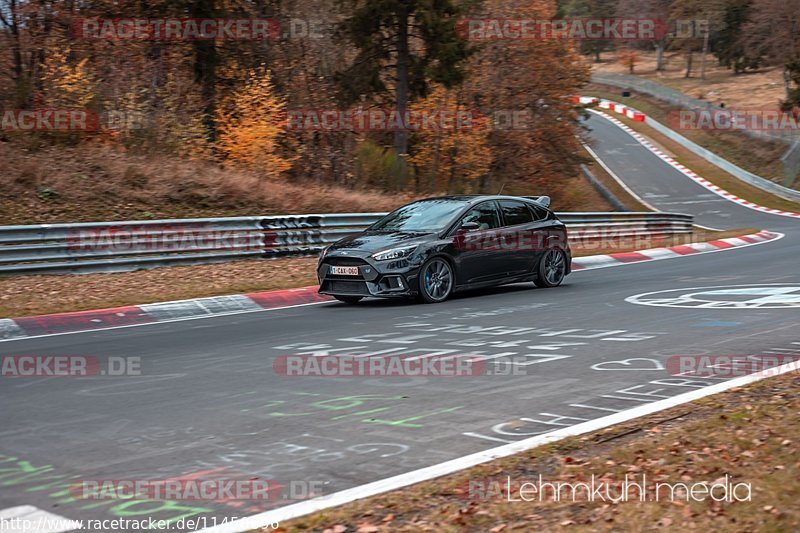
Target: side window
point(484, 214)
point(515, 213)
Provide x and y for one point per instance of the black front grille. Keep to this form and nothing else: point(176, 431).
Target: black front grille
point(347, 287)
point(345, 261)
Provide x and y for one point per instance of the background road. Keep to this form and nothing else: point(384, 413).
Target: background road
point(209, 404)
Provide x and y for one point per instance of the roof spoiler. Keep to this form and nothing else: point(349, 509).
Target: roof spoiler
point(541, 200)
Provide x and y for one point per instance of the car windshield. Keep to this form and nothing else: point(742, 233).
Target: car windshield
point(423, 216)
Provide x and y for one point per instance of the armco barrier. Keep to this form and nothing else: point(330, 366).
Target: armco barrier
point(132, 245)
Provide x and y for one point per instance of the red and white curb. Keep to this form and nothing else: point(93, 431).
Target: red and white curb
point(671, 252)
point(139, 315)
point(146, 314)
point(628, 111)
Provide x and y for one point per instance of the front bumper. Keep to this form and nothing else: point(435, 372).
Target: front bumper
point(384, 279)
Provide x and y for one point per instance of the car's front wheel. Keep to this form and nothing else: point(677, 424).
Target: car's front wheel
point(551, 269)
point(436, 280)
point(349, 299)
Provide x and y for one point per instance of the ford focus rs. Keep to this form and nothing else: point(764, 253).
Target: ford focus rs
point(430, 248)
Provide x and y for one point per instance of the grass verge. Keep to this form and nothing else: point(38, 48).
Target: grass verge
point(747, 433)
point(36, 295)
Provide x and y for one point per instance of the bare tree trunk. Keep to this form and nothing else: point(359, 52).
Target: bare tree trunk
point(659, 55)
point(689, 58)
point(703, 57)
point(17, 53)
point(205, 68)
point(787, 79)
point(401, 88)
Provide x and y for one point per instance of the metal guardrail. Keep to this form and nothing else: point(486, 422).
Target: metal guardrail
point(133, 245)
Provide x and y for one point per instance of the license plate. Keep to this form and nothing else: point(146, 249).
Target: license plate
point(344, 271)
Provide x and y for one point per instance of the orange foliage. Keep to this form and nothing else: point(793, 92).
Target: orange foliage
point(251, 124)
point(455, 154)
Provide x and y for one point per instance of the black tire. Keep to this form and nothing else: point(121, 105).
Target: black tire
point(551, 269)
point(436, 280)
point(349, 299)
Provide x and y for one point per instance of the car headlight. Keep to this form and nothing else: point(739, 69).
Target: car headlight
point(324, 251)
point(394, 253)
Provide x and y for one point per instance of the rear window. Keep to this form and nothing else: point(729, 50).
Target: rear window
point(515, 213)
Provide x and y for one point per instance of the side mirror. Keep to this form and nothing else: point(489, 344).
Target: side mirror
point(470, 226)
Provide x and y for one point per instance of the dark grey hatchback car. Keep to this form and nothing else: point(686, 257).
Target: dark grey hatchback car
point(431, 248)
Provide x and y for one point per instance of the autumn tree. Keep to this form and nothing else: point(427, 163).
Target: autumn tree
point(658, 10)
point(529, 80)
point(402, 46)
point(589, 9)
point(628, 57)
point(728, 46)
point(66, 83)
point(454, 155)
point(251, 123)
point(773, 35)
point(696, 21)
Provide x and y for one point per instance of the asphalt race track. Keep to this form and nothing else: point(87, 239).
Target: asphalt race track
point(209, 404)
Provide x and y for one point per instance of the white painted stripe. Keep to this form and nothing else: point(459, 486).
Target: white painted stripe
point(592, 261)
point(734, 241)
point(659, 253)
point(424, 474)
point(9, 329)
point(200, 306)
point(30, 519)
point(704, 247)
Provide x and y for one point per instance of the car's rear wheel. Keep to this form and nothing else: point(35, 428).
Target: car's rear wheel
point(551, 269)
point(349, 299)
point(436, 280)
